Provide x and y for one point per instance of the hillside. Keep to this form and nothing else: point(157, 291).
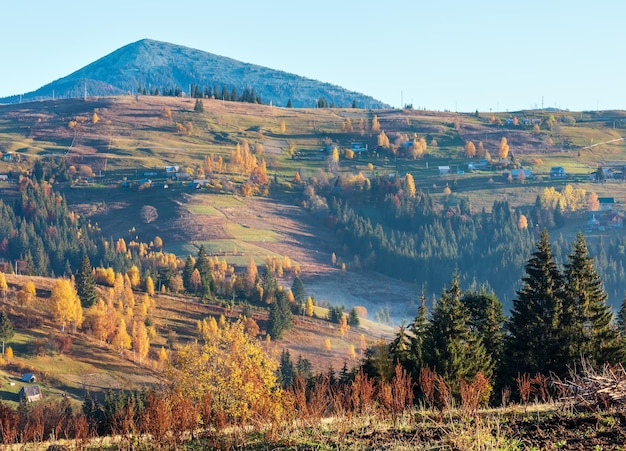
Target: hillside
point(164, 66)
point(134, 138)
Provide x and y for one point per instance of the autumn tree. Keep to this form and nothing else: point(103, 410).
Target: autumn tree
point(470, 149)
point(121, 339)
point(233, 370)
point(480, 152)
point(522, 222)
point(593, 204)
point(140, 340)
point(86, 283)
point(65, 304)
point(375, 124)
point(6, 329)
point(27, 293)
point(503, 148)
point(408, 185)
point(3, 285)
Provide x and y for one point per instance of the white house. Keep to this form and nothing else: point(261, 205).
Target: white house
point(444, 170)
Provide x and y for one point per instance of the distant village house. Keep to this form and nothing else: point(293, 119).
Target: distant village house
point(30, 393)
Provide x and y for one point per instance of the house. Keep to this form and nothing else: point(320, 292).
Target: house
point(606, 203)
point(517, 174)
point(29, 377)
point(557, 172)
point(358, 147)
point(444, 170)
point(7, 156)
point(30, 393)
point(171, 171)
point(480, 164)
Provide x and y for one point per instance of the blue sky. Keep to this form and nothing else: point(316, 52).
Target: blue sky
point(454, 55)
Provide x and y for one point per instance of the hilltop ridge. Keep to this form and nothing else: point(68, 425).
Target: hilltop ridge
point(161, 65)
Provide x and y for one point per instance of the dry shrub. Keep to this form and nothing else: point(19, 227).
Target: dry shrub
point(524, 387)
point(427, 379)
point(473, 394)
point(444, 394)
point(8, 424)
point(318, 402)
point(362, 392)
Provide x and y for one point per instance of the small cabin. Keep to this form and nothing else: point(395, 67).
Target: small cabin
point(30, 393)
point(606, 203)
point(29, 377)
point(444, 170)
point(557, 172)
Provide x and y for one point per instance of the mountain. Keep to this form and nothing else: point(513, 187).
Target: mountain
point(155, 64)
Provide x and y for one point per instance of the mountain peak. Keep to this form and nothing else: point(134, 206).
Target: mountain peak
point(160, 65)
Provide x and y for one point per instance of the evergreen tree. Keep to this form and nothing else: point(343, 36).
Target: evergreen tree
point(6, 329)
point(281, 317)
point(621, 319)
point(203, 265)
point(187, 272)
point(199, 106)
point(297, 288)
point(452, 348)
point(286, 370)
point(533, 343)
point(289, 104)
point(586, 321)
point(353, 318)
point(487, 319)
point(86, 284)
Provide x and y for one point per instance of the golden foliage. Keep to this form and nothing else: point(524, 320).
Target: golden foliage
point(233, 369)
point(65, 304)
point(27, 293)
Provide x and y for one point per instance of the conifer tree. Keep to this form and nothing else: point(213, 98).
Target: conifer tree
point(187, 272)
point(86, 284)
point(586, 319)
point(203, 265)
point(6, 329)
point(487, 319)
point(297, 288)
point(451, 347)
point(286, 370)
point(533, 343)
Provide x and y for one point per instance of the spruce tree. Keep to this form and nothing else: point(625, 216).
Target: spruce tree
point(86, 284)
point(586, 321)
point(297, 288)
point(533, 345)
point(487, 319)
point(203, 265)
point(187, 272)
point(452, 349)
point(6, 329)
point(286, 370)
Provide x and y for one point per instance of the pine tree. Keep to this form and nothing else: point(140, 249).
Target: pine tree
point(533, 345)
point(586, 319)
point(199, 106)
point(187, 272)
point(487, 319)
point(203, 265)
point(286, 370)
point(6, 329)
point(451, 347)
point(297, 288)
point(281, 317)
point(86, 284)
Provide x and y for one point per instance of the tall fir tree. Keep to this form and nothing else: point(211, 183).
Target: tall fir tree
point(532, 344)
point(187, 272)
point(86, 283)
point(587, 329)
point(487, 319)
point(451, 348)
point(297, 288)
point(203, 265)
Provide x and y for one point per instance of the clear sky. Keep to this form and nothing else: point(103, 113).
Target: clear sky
point(455, 55)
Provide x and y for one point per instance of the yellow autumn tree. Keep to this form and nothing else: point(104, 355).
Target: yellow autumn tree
point(375, 124)
point(3, 285)
point(96, 318)
point(232, 368)
point(140, 340)
point(65, 304)
point(121, 340)
point(27, 293)
point(593, 203)
point(409, 185)
point(470, 149)
point(149, 286)
point(503, 149)
point(522, 222)
point(133, 275)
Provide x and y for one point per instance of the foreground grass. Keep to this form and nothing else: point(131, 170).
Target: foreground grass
point(538, 427)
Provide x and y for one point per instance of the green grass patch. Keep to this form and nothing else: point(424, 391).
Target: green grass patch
point(246, 233)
